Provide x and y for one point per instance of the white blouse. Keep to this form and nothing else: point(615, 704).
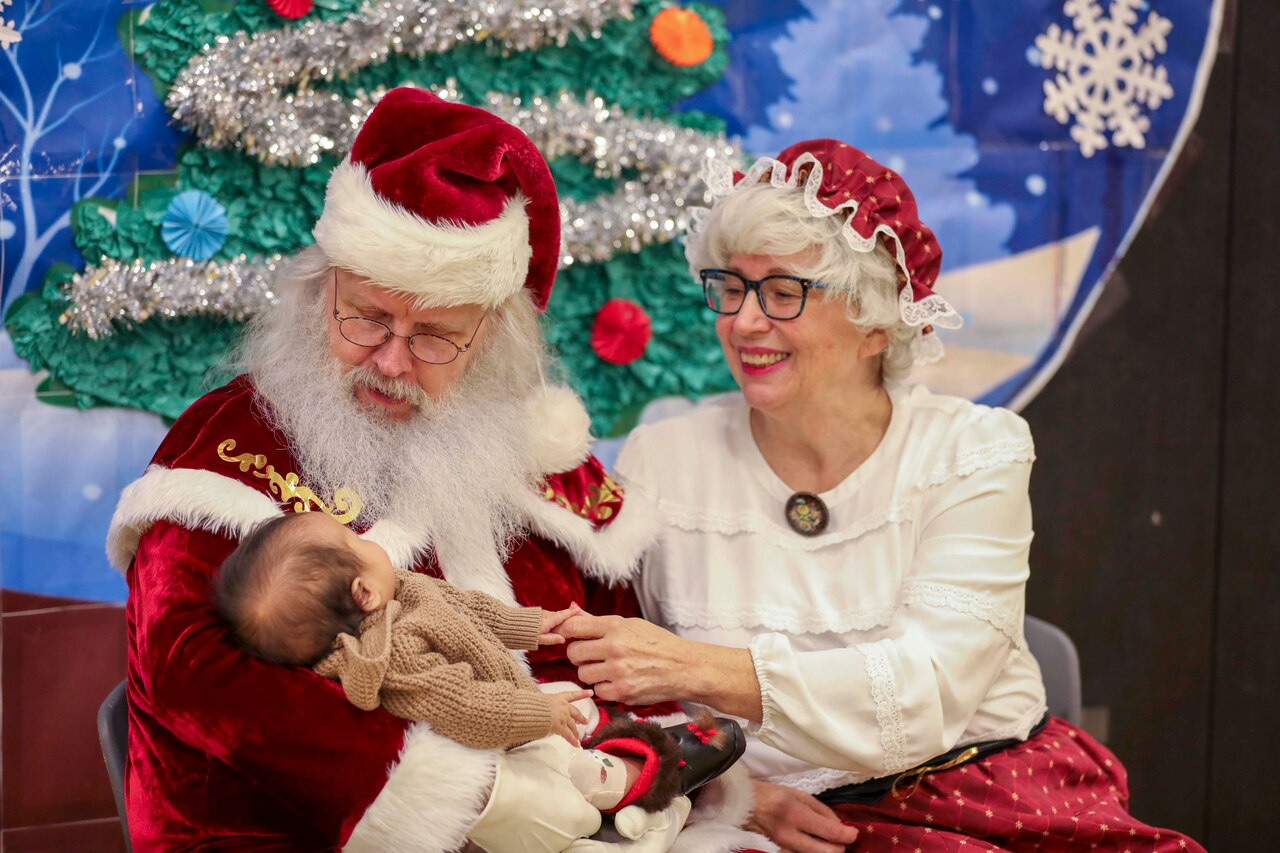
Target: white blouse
point(890, 638)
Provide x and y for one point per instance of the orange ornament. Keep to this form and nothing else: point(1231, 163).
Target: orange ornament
point(681, 37)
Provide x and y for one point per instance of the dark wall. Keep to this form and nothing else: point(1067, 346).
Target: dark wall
point(1156, 482)
point(1245, 742)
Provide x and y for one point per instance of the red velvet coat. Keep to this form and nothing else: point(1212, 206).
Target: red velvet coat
point(229, 752)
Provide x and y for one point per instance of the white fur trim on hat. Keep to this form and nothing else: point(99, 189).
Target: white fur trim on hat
point(200, 500)
point(559, 429)
point(433, 795)
point(438, 263)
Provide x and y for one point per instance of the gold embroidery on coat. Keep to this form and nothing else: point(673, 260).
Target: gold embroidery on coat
point(346, 503)
point(607, 492)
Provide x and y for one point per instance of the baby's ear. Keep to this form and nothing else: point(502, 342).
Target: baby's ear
point(364, 596)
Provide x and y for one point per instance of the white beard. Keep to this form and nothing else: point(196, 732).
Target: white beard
point(449, 472)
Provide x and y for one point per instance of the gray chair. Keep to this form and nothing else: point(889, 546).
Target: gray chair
point(1060, 666)
point(113, 734)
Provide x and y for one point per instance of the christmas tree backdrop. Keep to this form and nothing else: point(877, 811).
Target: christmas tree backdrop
point(182, 260)
point(158, 160)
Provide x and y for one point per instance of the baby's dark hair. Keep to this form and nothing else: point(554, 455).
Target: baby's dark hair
point(286, 600)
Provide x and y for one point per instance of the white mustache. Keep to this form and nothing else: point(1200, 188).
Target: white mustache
point(398, 388)
point(453, 465)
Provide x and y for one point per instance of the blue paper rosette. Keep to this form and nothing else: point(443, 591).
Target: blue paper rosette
point(194, 225)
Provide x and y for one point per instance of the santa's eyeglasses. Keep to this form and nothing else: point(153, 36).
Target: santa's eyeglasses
point(433, 349)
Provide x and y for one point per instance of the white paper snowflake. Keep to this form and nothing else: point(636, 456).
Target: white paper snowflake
point(8, 30)
point(1105, 73)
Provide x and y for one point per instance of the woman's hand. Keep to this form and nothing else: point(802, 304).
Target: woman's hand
point(638, 663)
point(797, 821)
point(564, 717)
point(627, 660)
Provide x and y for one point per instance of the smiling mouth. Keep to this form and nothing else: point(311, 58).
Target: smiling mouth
point(763, 359)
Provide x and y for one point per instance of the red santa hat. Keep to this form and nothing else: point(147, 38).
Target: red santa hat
point(445, 202)
point(454, 206)
point(876, 203)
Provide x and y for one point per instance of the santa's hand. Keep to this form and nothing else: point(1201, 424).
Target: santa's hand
point(534, 807)
point(641, 831)
point(633, 822)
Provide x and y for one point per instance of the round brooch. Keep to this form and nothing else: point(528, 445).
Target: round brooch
point(807, 514)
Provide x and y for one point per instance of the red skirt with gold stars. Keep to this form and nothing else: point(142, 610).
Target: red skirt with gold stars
point(1060, 790)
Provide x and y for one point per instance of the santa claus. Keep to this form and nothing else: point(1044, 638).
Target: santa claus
point(399, 386)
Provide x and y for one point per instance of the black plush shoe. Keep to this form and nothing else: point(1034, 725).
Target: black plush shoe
point(708, 747)
point(689, 755)
point(678, 759)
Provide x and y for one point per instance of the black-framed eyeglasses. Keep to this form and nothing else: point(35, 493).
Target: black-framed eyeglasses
point(781, 297)
point(425, 346)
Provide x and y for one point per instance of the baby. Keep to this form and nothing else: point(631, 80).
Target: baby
point(305, 590)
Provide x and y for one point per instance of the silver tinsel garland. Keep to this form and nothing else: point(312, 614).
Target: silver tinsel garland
point(237, 93)
point(136, 291)
point(253, 92)
point(651, 208)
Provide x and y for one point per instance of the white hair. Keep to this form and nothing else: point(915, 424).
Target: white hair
point(452, 465)
point(765, 220)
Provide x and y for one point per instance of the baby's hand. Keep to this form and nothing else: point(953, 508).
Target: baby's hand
point(551, 620)
point(564, 717)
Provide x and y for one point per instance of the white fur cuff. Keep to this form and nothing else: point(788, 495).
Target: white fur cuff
point(434, 793)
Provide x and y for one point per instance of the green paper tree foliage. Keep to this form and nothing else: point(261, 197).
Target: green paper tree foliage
point(161, 365)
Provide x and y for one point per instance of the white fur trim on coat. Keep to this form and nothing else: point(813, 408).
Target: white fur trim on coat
point(716, 823)
point(403, 546)
point(611, 554)
point(433, 795)
point(469, 561)
point(438, 263)
point(608, 555)
point(203, 500)
point(193, 498)
point(475, 565)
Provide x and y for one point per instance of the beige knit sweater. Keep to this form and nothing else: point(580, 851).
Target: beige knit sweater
point(439, 654)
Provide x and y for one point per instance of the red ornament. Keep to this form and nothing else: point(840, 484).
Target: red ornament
point(621, 332)
point(291, 9)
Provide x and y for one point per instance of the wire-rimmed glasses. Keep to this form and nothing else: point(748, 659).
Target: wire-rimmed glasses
point(433, 349)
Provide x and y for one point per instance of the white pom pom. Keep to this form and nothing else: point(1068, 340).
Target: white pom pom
point(559, 429)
